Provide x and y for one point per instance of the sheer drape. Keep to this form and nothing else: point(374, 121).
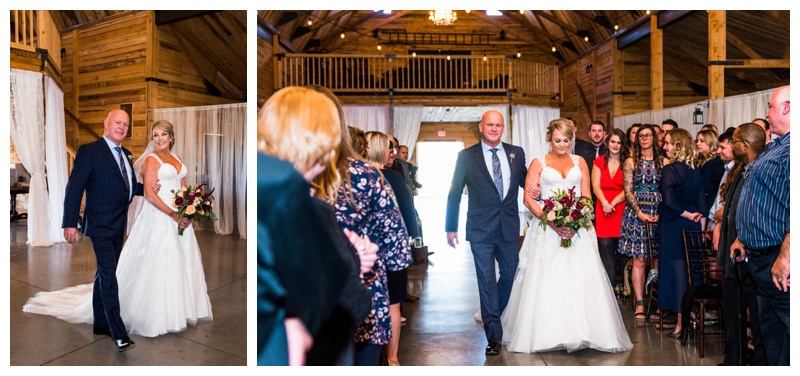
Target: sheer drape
point(407, 121)
point(368, 118)
point(724, 112)
point(27, 133)
point(211, 142)
point(56, 155)
point(528, 132)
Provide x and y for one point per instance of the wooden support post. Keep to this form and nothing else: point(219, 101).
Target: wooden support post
point(151, 69)
point(618, 74)
point(656, 65)
point(716, 52)
point(275, 66)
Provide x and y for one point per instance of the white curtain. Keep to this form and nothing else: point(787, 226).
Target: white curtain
point(211, 142)
point(740, 109)
point(528, 132)
point(27, 132)
point(724, 112)
point(407, 121)
point(368, 118)
point(56, 155)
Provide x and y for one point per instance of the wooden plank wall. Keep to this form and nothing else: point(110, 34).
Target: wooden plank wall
point(266, 83)
point(586, 89)
point(106, 64)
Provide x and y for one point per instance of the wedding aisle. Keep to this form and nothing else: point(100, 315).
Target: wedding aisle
point(441, 329)
point(45, 340)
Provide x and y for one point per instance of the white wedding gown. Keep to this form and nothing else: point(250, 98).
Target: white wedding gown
point(561, 298)
point(162, 286)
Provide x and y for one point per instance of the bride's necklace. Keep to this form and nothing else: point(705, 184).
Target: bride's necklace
point(613, 161)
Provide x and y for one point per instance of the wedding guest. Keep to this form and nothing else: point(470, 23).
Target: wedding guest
point(301, 126)
point(764, 124)
point(748, 141)
point(725, 153)
point(607, 185)
point(358, 141)
point(668, 125)
point(363, 205)
point(631, 136)
point(762, 224)
point(591, 150)
point(659, 135)
point(299, 273)
point(642, 173)
point(380, 153)
point(682, 208)
point(710, 164)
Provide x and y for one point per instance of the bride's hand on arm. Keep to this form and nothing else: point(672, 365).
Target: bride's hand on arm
point(531, 185)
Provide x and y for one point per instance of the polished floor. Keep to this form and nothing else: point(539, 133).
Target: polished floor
point(45, 340)
point(441, 330)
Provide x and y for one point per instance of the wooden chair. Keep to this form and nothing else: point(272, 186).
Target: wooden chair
point(653, 239)
point(702, 269)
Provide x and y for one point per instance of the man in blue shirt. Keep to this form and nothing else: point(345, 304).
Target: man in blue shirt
point(763, 230)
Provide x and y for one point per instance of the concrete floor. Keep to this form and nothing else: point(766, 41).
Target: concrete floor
point(45, 340)
point(441, 330)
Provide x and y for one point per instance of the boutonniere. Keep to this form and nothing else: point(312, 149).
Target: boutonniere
point(130, 159)
point(512, 157)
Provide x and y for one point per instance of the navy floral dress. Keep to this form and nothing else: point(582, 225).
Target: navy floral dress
point(376, 215)
point(642, 193)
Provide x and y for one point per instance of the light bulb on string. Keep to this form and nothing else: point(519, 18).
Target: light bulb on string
point(379, 46)
point(519, 54)
point(310, 22)
point(484, 56)
point(342, 36)
point(554, 48)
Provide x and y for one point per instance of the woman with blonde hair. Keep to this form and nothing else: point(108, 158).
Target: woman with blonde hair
point(302, 126)
point(681, 209)
point(709, 163)
point(381, 153)
point(364, 205)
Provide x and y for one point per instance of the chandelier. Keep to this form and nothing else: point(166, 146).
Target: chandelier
point(443, 17)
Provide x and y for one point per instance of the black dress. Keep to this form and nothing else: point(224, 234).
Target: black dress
point(397, 281)
point(711, 173)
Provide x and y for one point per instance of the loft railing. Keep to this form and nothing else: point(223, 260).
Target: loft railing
point(421, 74)
point(35, 31)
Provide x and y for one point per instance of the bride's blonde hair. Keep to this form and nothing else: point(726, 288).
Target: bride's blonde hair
point(563, 125)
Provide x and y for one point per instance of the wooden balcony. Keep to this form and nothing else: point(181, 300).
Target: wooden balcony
point(34, 31)
point(361, 74)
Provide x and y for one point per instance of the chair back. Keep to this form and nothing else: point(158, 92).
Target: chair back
point(653, 241)
point(701, 258)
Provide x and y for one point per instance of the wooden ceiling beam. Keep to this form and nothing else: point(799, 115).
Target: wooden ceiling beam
point(556, 21)
point(779, 17)
point(369, 24)
point(271, 30)
point(521, 37)
point(569, 56)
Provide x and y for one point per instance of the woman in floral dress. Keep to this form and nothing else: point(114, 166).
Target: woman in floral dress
point(642, 173)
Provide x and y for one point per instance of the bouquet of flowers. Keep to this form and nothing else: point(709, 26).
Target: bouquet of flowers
point(193, 202)
point(566, 210)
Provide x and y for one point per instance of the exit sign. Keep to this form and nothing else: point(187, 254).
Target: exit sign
point(442, 133)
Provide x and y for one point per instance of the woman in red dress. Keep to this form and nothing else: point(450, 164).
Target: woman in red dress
point(607, 185)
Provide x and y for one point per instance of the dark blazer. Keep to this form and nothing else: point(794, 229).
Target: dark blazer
point(300, 272)
point(586, 150)
point(728, 234)
point(712, 172)
point(487, 216)
point(96, 171)
point(405, 201)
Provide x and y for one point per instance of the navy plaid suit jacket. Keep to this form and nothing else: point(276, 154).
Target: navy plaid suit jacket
point(96, 171)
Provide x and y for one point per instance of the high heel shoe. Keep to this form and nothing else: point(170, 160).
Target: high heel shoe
point(679, 335)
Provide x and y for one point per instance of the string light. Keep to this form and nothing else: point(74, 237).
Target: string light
point(467, 10)
point(484, 56)
point(647, 12)
point(448, 57)
point(413, 54)
point(379, 45)
point(519, 54)
point(554, 48)
point(586, 38)
point(309, 21)
point(616, 27)
point(342, 36)
point(522, 12)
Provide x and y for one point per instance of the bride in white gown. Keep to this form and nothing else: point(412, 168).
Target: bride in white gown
point(162, 286)
point(561, 298)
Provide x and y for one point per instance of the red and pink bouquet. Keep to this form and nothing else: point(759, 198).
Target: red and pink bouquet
point(566, 210)
point(195, 203)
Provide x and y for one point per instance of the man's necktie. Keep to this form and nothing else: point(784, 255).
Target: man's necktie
point(124, 170)
point(496, 173)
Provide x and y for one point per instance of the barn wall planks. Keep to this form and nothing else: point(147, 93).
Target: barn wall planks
point(106, 64)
